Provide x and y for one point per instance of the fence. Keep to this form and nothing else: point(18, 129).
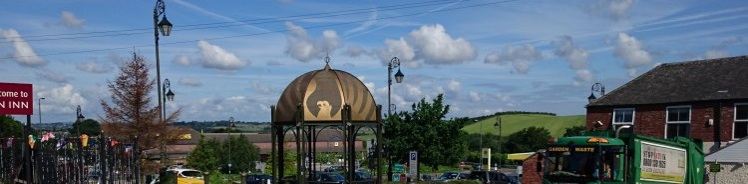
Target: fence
point(68, 160)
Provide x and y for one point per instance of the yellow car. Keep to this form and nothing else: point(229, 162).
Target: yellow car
point(182, 176)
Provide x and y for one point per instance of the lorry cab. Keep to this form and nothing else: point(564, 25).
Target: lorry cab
point(604, 157)
point(583, 159)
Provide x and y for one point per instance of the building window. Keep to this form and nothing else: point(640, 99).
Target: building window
point(678, 121)
point(623, 116)
point(741, 121)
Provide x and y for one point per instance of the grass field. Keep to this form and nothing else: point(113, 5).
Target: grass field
point(515, 122)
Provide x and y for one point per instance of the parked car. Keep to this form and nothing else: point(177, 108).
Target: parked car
point(514, 178)
point(490, 177)
point(327, 177)
point(259, 179)
point(452, 176)
point(179, 176)
point(425, 177)
point(363, 176)
point(334, 168)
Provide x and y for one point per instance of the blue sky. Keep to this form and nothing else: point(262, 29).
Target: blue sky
point(234, 58)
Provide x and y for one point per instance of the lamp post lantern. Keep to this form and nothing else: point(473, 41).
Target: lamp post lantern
point(597, 87)
point(394, 63)
point(165, 27)
point(78, 119)
point(169, 96)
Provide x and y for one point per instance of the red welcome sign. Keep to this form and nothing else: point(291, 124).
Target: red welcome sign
point(16, 99)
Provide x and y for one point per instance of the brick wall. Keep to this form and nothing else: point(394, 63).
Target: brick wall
point(529, 174)
point(650, 119)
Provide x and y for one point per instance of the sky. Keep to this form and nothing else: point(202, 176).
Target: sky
point(234, 58)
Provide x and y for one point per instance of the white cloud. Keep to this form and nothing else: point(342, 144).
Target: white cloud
point(187, 81)
point(62, 99)
point(721, 50)
point(219, 58)
point(518, 57)
point(54, 76)
point(713, 54)
point(576, 57)
point(355, 51)
point(413, 93)
point(183, 60)
point(400, 49)
point(632, 52)
point(582, 76)
point(612, 9)
point(69, 20)
point(454, 86)
point(475, 97)
point(437, 47)
point(24, 54)
point(93, 67)
point(302, 47)
point(260, 88)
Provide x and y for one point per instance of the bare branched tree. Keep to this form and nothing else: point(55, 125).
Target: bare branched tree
point(130, 115)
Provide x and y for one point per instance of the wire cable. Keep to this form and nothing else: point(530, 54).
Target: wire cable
point(228, 24)
point(269, 32)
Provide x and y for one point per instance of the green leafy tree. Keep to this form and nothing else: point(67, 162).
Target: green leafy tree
point(528, 140)
point(289, 163)
point(205, 155)
point(239, 152)
point(572, 131)
point(243, 154)
point(89, 127)
point(438, 141)
point(9, 127)
point(487, 140)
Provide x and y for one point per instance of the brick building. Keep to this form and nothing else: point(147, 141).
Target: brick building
point(329, 141)
point(705, 100)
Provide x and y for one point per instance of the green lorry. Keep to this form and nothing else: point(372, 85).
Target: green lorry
point(606, 157)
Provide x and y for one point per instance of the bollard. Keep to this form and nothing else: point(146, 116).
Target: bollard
point(206, 177)
point(244, 178)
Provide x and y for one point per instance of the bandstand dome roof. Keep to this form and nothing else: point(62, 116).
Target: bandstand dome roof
point(322, 95)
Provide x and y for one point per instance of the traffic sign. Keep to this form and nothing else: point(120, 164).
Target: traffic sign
point(398, 168)
point(413, 163)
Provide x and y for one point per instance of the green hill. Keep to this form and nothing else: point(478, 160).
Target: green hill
point(515, 122)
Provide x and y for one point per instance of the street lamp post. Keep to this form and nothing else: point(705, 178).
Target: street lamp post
point(165, 27)
point(497, 125)
point(480, 145)
point(231, 124)
point(169, 96)
point(78, 119)
point(40, 110)
point(394, 63)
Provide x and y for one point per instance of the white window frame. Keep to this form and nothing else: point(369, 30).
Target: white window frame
point(618, 124)
point(667, 117)
point(735, 118)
